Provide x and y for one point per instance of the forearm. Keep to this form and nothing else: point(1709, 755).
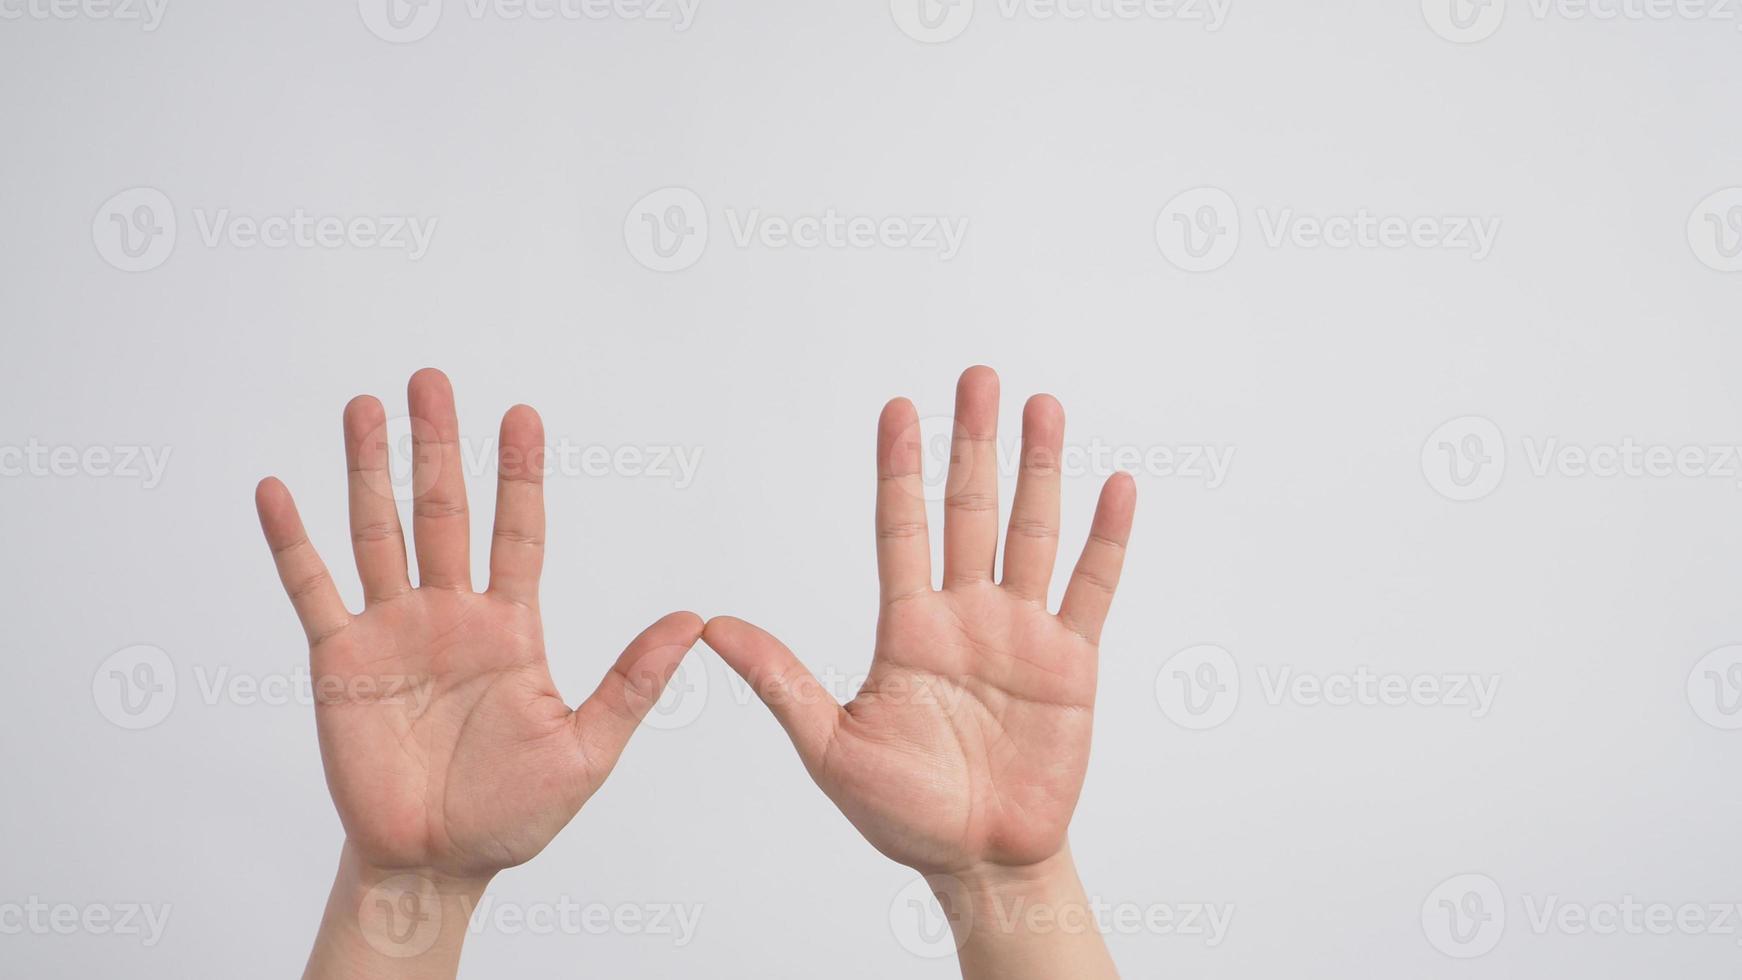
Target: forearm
point(392, 925)
point(1030, 923)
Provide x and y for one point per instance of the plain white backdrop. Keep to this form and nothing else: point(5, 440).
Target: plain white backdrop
point(1577, 821)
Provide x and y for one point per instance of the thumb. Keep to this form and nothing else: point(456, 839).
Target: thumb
point(607, 719)
point(801, 704)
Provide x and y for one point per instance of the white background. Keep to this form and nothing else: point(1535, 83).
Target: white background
point(1593, 320)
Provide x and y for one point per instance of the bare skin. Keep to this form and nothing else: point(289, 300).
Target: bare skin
point(448, 751)
point(964, 753)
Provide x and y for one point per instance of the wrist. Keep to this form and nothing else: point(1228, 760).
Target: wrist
point(1023, 922)
point(988, 880)
point(355, 869)
point(394, 922)
point(984, 901)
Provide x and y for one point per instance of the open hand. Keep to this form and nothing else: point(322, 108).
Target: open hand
point(966, 747)
point(447, 748)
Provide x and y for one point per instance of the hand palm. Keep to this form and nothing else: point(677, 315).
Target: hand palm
point(445, 742)
point(988, 760)
point(968, 742)
point(463, 762)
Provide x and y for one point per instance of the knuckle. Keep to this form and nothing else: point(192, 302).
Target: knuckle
point(435, 510)
point(280, 550)
point(374, 531)
point(1106, 542)
point(1030, 527)
point(1097, 581)
point(901, 530)
point(908, 596)
point(972, 501)
point(1041, 461)
point(638, 691)
point(308, 585)
point(516, 536)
